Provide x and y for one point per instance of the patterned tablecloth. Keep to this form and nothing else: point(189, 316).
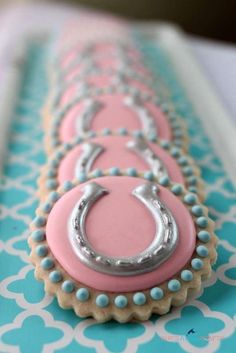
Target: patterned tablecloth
point(32, 322)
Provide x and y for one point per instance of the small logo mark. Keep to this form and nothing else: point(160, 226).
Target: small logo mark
point(191, 331)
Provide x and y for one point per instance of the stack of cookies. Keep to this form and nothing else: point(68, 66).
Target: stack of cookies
point(120, 231)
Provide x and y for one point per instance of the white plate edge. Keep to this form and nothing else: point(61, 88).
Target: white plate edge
point(202, 95)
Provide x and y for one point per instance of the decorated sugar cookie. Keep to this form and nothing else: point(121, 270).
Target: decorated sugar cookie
point(96, 78)
point(97, 57)
point(115, 108)
point(99, 64)
point(122, 247)
point(77, 34)
point(100, 52)
point(133, 153)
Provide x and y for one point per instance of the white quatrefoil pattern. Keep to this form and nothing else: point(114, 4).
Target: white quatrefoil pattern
point(32, 322)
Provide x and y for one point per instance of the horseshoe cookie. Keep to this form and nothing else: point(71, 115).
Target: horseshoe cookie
point(114, 109)
point(120, 151)
point(122, 247)
point(99, 50)
point(93, 77)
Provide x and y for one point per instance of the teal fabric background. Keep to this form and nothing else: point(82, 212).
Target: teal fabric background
point(31, 321)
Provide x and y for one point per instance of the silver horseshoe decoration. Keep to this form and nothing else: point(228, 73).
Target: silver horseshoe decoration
point(146, 119)
point(139, 146)
point(163, 245)
point(90, 152)
point(87, 58)
point(91, 108)
point(84, 58)
point(80, 91)
point(120, 78)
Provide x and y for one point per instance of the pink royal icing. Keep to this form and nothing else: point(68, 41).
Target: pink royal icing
point(115, 149)
point(102, 50)
point(118, 225)
point(101, 26)
point(112, 63)
point(100, 81)
point(113, 115)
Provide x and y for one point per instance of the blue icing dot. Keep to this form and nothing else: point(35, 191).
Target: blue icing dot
point(51, 173)
point(97, 173)
point(148, 175)
point(156, 293)
point(41, 250)
point(59, 155)
point(67, 146)
point(202, 251)
point(197, 210)
point(46, 207)
point(47, 263)
point(53, 133)
point(190, 199)
point(183, 160)
point(123, 131)
point(55, 143)
point(175, 124)
point(192, 180)
point(164, 181)
point(106, 131)
point(186, 275)
point(91, 134)
point(55, 276)
point(114, 171)
point(38, 235)
point(165, 144)
point(152, 136)
point(202, 222)
point(187, 171)
point(79, 140)
point(82, 294)
point(132, 172)
point(139, 298)
point(53, 196)
point(51, 184)
point(68, 286)
point(102, 300)
point(67, 185)
point(121, 301)
point(175, 152)
point(193, 189)
point(197, 264)
point(82, 177)
point(172, 115)
point(177, 189)
point(204, 236)
point(39, 221)
point(138, 133)
point(165, 107)
point(178, 142)
point(54, 163)
point(178, 133)
point(174, 285)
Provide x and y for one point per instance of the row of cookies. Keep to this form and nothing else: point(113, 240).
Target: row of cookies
point(107, 86)
point(120, 232)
